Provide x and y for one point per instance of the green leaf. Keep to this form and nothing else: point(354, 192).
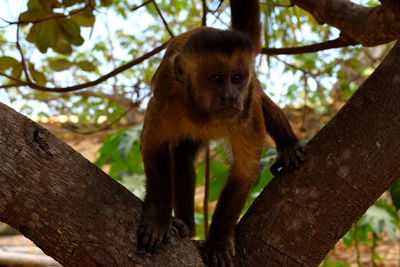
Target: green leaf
point(37, 76)
point(70, 30)
point(335, 264)
point(33, 33)
point(380, 218)
point(68, 3)
point(60, 64)
point(17, 71)
point(7, 62)
point(395, 194)
point(62, 46)
point(34, 4)
point(47, 35)
point(82, 20)
point(32, 15)
point(106, 2)
point(218, 174)
point(126, 141)
point(86, 65)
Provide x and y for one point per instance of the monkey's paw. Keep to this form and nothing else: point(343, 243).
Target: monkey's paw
point(153, 233)
point(220, 253)
point(289, 157)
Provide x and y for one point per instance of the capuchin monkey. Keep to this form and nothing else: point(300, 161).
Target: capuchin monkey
point(206, 88)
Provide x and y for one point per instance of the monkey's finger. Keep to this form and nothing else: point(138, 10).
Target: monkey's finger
point(228, 259)
point(166, 237)
point(144, 241)
point(214, 260)
point(150, 244)
point(220, 260)
point(157, 243)
point(301, 154)
point(179, 225)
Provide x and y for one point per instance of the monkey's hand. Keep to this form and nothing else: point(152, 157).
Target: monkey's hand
point(220, 252)
point(289, 157)
point(154, 230)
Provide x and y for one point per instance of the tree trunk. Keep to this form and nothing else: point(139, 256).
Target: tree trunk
point(350, 163)
point(81, 217)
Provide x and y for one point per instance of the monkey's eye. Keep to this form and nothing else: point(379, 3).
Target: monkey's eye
point(237, 78)
point(216, 79)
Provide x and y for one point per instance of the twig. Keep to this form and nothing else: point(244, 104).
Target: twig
point(23, 62)
point(108, 126)
point(142, 5)
point(298, 68)
point(336, 43)
point(88, 84)
point(163, 19)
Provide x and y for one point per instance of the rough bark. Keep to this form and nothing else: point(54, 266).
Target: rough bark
point(71, 209)
point(358, 24)
point(350, 163)
point(81, 217)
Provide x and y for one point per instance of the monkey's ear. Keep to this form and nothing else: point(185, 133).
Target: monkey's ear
point(179, 76)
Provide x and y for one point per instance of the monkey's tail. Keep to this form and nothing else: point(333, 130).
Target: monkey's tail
point(246, 18)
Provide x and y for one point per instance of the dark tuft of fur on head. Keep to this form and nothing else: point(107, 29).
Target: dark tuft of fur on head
point(218, 41)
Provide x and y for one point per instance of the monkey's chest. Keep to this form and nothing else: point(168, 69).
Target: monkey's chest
point(178, 128)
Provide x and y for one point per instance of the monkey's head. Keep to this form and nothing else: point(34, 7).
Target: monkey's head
point(215, 68)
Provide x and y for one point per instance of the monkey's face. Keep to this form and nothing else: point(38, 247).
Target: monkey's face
point(219, 84)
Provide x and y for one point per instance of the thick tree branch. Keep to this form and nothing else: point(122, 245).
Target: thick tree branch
point(350, 163)
point(365, 25)
point(71, 209)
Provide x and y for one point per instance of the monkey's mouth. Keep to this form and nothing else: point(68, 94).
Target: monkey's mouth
point(226, 112)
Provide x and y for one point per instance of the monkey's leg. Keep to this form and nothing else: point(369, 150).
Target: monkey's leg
point(184, 182)
point(156, 215)
point(246, 150)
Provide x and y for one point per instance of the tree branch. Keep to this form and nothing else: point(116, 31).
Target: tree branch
point(336, 43)
point(301, 214)
point(163, 19)
point(368, 26)
point(142, 5)
point(88, 84)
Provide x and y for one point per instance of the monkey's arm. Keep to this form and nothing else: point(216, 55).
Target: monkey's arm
point(290, 150)
point(156, 215)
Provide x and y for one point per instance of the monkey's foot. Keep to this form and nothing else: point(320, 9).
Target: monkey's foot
point(289, 157)
point(179, 226)
point(152, 233)
point(220, 253)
